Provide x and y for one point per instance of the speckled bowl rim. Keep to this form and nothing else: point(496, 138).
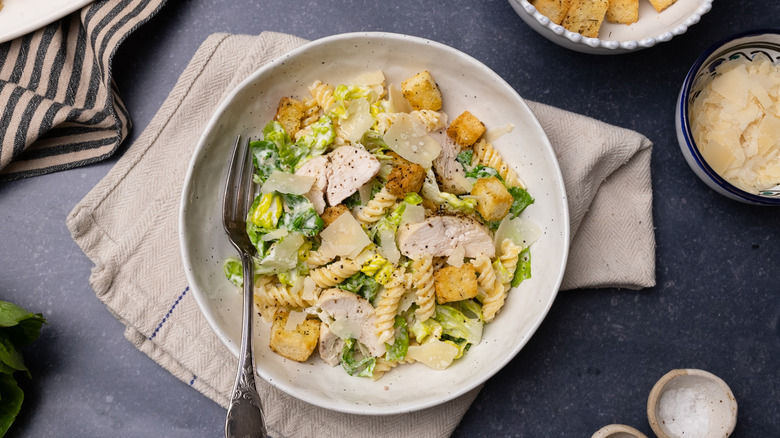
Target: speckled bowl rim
point(684, 125)
point(614, 45)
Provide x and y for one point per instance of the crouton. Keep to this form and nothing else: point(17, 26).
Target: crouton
point(660, 5)
point(455, 284)
point(404, 177)
point(332, 213)
point(296, 344)
point(623, 11)
point(555, 10)
point(585, 17)
point(466, 129)
point(289, 113)
point(422, 92)
point(493, 198)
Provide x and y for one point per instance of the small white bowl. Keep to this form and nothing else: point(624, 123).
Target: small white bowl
point(745, 45)
point(618, 431)
point(651, 28)
point(690, 403)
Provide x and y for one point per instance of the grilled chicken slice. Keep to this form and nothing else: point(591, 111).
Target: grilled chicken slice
point(348, 170)
point(330, 346)
point(341, 305)
point(440, 235)
point(450, 173)
point(316, 167)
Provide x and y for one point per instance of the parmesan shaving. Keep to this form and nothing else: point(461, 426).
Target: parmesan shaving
point(735, 124)
point(294, 320)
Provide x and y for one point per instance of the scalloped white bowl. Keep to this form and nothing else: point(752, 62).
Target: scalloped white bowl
point(466, 84)
point(652, 27)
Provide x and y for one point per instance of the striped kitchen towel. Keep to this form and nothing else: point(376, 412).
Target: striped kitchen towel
point(60, 106)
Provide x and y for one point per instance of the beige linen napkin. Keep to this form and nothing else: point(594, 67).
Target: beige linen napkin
point(127, 225)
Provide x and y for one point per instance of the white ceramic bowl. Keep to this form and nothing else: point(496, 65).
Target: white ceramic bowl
point(651, 28)
point(618, 431)
point(691, 403)
point(466, 84)
point(745, 45)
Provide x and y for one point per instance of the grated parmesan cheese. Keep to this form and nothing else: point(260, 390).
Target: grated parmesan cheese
point(735, 122)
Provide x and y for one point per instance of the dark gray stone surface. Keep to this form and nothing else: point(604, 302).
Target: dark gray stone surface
point(594, 359)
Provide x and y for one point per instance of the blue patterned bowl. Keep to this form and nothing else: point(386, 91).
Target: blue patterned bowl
point(745, 45)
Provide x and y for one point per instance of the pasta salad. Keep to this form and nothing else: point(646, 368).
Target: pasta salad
point(384, 234)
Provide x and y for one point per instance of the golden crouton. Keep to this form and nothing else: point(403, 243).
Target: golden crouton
point(455, 284)
point(422, 92)
point(555, 10)
point(295, 344)
point(585, 17)
point(289, 113)
point(332, 213)
point(623, 11)
point(493, 199)
point(404, 177)
point(466, 129)
point(660, 5)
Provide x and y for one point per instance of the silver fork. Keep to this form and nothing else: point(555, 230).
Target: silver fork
point(245, 413)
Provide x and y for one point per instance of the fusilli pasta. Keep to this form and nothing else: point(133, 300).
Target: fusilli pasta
point(423, 283)
point(376, 207)
point(491, 285)
point(486, 155)
point(334, 273)
point(387, 306)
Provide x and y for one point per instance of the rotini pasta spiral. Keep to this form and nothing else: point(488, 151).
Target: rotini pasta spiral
point(423, 283)
point(323, 94)
point(311, 113)
point(318, 258)
point(383, 366)
point(387, 306)
point(334, 273)
point(279, 295)
point(376, 207)
point(486, 155)
point(490, 284)
point(510, 252)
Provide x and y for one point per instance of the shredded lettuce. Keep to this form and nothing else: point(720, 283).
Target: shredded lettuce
point(398, 349)
point(421, 330)
point(457, 325)
point(360, 284)
point(234, 271)
point(480, 171)
point(520, 200)
point(355, 363)
point(317, 141)
point(465, 157)
point(523, 270)
point(299, 215)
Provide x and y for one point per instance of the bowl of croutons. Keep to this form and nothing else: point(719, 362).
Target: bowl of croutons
point(410, 221)
point(610, 27)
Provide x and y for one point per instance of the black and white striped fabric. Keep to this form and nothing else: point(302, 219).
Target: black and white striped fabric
point(59, 106)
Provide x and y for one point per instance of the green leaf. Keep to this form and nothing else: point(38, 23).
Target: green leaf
point(520, 200)
point(299, 215)
point(464, 158)
point(363, 367)
point(400, 346)
point(10, 356)
point(11, 397)
point(360, 284)
point(523, 270)
point(11, 314)
point(266, 158)
point(480, 171)
point(234, 271)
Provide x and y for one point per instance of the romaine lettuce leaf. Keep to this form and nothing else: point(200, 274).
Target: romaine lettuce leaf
point(398, 349)
point(354, 362)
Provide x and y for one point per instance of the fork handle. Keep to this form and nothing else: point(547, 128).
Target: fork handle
point(245, 413)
